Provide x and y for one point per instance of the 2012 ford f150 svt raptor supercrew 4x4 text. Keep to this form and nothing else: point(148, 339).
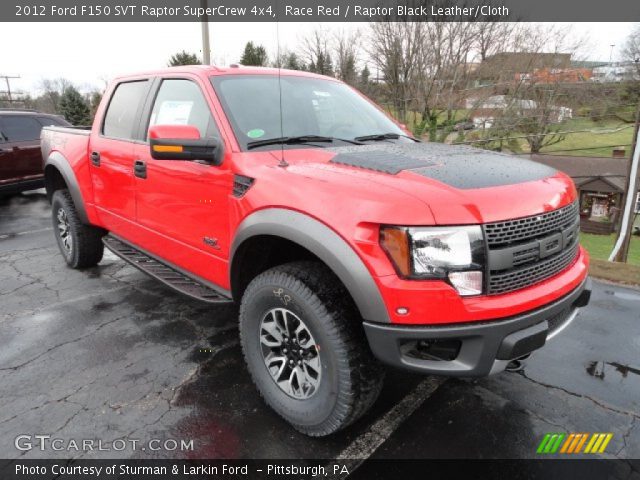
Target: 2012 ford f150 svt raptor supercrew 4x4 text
point(346, 242)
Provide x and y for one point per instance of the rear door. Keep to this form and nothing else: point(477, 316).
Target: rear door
point(20, 156)
point(111, 156)
point(6, 158)
point(184, 204)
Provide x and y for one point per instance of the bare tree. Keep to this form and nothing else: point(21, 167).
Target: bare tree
point(346, 55)
point(52, 90)
point(394, 47)
point(631, 49)
point(529, 84)
point(316, 51)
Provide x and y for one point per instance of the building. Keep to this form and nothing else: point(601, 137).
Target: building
point(484, 111)
point(616, 72)
point(600, 182)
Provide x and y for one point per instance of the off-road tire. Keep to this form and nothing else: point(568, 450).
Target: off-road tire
point(86, 248)
point(351, 377)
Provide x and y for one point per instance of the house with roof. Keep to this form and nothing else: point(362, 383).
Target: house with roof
point(601, 183)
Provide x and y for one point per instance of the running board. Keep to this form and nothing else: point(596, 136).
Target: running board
point(166, 274)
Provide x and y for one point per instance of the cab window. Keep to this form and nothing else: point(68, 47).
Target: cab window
point(120, 119)
point(181, 102)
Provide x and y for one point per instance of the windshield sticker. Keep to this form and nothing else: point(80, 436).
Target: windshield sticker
point(321, 94)
point(255, 133)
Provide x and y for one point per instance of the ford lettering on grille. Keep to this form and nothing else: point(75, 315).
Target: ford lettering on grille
point(528, 250)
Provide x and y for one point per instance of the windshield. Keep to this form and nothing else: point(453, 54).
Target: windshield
point(310, 106)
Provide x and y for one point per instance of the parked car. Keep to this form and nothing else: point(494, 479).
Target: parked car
point(346, 242)
point(21, 165)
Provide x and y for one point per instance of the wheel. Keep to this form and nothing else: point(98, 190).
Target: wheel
point(80, 244)
point(305, 348)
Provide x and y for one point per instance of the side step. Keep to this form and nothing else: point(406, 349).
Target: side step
point(166, 274)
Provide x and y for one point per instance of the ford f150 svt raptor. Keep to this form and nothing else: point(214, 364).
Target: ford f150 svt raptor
point(346, 242)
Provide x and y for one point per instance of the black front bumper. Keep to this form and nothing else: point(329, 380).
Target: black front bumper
point(474, 349)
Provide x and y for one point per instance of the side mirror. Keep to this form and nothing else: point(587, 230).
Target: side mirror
point(183, 142)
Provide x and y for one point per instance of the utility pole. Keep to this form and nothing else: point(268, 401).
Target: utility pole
point(621, 247)
point(6, 79)
point(206, 46)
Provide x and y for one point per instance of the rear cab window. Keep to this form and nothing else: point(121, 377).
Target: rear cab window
point(121, 118)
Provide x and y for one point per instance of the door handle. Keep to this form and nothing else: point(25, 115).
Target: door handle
point(95, 158)
point(140, 169)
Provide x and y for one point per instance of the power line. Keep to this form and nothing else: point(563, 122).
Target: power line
point(567, 132)
point(551, 152)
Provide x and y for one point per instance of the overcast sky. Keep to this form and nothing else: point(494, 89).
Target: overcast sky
point(89, 53)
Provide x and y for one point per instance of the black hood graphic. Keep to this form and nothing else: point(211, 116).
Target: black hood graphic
point(458, 166)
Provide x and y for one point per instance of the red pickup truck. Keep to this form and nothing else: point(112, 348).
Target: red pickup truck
point(346, 242)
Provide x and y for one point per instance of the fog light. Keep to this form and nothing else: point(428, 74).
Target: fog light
point(467, 283)
point(402, 310)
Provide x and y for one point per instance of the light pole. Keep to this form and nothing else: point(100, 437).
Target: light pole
point(610, 52)
point(206, 48)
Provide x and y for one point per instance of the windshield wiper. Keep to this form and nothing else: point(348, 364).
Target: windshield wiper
point(382, 136)
point(289, 140)
point(296, 140)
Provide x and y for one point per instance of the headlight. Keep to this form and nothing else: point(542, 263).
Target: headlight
point(455, 254)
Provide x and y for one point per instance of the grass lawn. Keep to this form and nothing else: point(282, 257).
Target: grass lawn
point(599, 247)
point(601, 134)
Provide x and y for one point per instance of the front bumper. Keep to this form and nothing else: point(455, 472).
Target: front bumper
point(478, 348)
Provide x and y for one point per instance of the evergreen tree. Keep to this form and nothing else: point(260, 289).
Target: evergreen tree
point(323, 64)
point(293, 62)
point(95, 98)
point(348, 73)
point(184, 58)
point(74, 107)
point(255, 55)
point(364, 76)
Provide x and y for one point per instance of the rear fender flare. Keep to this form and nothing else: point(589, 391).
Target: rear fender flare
point(61, 164)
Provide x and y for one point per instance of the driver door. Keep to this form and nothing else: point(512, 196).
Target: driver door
point(182, 206)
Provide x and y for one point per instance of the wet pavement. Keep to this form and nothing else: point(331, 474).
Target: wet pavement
point(108, 353)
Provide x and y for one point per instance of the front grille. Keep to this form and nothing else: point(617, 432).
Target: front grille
point(521, 249)
point(503, 233)
point(515, 279)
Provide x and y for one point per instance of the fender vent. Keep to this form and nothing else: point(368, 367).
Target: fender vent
point(241, 184)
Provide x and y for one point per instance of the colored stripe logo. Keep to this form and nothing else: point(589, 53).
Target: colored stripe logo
point(573, 443)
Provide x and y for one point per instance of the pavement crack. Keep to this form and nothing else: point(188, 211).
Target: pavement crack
point(578, 395)
point(50, 349)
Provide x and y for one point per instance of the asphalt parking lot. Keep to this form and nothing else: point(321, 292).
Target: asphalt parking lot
point(109, 353)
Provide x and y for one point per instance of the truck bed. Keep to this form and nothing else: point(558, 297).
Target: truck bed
point(72, 142)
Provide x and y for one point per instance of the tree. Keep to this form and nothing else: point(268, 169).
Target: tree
point(95, 98)
point(290, 61)
point(346, 55)
point(365, 75)
point(631, 49)
point(255, 55)
point(184, 58)
point(316, 49)
point(74, 107)
point(52, 91)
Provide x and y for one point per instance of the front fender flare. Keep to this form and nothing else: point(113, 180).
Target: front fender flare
point(60, 163)
point(324, 243)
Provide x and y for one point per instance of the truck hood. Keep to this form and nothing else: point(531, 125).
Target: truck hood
point(460, 185)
